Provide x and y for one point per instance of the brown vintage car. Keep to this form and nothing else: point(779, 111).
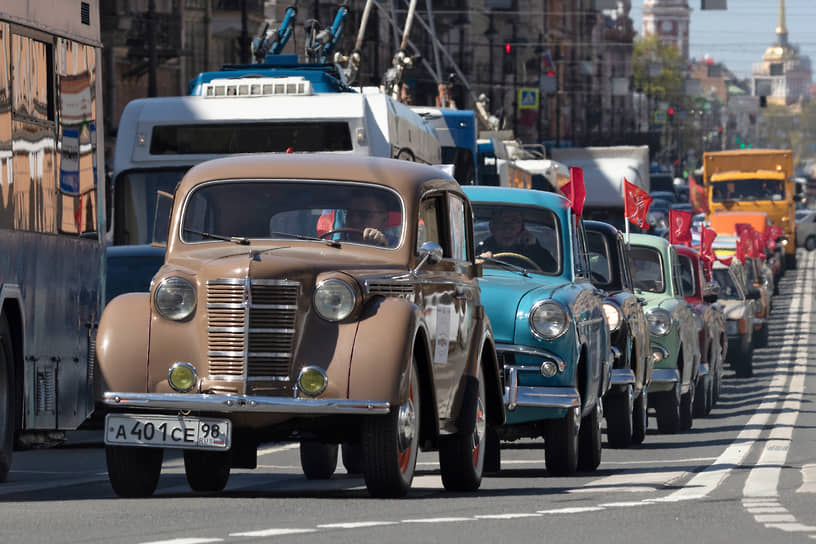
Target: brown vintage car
point(314, 298)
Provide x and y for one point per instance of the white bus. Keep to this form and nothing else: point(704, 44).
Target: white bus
point(51, 216)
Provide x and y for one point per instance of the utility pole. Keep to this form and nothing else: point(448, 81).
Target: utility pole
point(152, 55)
point(244, 47)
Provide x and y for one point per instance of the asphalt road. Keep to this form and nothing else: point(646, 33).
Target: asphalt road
point(745, 473)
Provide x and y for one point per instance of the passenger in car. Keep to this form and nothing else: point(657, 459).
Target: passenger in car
point(508, 235)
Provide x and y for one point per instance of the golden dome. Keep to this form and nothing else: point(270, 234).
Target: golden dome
point(780, 53)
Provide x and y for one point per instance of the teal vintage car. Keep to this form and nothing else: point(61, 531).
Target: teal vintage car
point(673, 330)
point(551, 334)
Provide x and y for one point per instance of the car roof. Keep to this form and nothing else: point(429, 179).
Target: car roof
point(407, 178)
point(649, 240)
point(512, 195)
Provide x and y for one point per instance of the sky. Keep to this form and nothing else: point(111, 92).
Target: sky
point(739, 36)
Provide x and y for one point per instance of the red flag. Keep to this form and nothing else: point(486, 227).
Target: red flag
point(575, 190)
point(698, 197)
point(759, 245)
point(707, 237)
point(745, 241)
point(680, 227)
point(636, 204)
point(774, 232)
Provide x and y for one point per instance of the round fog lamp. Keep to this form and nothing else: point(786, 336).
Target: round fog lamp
point(548, 369)
point(312, 381)
point(182, 377)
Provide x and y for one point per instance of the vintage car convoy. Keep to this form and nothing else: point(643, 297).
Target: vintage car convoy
point(548, 321)
point(626, 402)
point(318, 298)
point(673, 329)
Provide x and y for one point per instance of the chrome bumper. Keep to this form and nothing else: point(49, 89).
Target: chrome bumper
point(623, 376)
point(244, 404)
point(537, 397)
point(665, 375)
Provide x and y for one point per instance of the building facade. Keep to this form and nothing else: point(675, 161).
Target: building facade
point(669, 19)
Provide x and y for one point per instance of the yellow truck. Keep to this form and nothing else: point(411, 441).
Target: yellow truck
point(753, 180)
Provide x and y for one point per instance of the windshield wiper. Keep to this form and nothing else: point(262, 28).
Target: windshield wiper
point(234, 239)
point(519, 269)
point(332, 243)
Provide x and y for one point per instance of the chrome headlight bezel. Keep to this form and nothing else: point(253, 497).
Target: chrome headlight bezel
point(612, 315)
point(175, 310)
point(334, 287)
point(560, 324)
point(182, 366)
point(659, 321)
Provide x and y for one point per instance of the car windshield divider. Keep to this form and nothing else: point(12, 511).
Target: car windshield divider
point(235, 239)
point(332, 243)
point(519, 269)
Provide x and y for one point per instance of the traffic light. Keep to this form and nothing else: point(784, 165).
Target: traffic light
point(508, 59)
point(670, 113)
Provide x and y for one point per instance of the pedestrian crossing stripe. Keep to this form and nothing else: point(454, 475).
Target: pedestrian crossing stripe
point(528, 98)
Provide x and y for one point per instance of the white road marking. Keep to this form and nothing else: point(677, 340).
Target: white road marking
point(356, 524)
point(276, 449)
point(431, 481)
point(574, 510)
point(775, 518)
point(766, 510)
point(507, 516)
point(186, 541)
point(436, 520)
point(808, 479)
point(275, 532)
point(623, 504)
point(792, 527)
point(630, 483)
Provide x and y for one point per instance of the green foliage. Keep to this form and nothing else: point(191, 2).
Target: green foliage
point(669, 84)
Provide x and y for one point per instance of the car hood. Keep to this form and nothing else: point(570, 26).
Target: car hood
point(733, 309)
point(502, 291)
point(654, 300)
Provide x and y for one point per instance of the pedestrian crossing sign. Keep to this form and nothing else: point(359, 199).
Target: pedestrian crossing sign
point(528, 98)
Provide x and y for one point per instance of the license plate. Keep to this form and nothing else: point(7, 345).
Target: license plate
point(196, 433)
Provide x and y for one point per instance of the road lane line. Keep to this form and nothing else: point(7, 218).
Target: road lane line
point(508, 516)
point(274, 532)
point(808, 479)
point(437, 520)
point(573, 510)
point(630, 483)
point(356, 524)
point(186, 541)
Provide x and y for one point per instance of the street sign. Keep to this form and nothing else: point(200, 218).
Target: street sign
point(528, 98)
point(660, 117)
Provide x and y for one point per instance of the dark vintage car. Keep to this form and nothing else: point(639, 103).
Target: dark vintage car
point(626, 402)
point(548, 321)
point(702, 296)
point(316, 298)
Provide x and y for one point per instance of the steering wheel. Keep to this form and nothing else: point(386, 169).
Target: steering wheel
point(342, 230)
point(519, 256)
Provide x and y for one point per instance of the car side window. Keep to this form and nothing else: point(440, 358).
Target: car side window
point(675, 263)
point(599, 257)
point(430, 226)
point(579, 250)
point(687, 276)
point(458, 228)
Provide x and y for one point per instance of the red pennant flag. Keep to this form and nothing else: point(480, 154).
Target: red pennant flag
point(774, 233)
point(680, 227)
point(707, 237)
point(575, 190)
point(759, 245)
point(698, 197)
point(636, 204)
point(745, 241)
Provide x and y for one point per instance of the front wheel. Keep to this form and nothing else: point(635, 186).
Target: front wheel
point(619, 408)
point(317, 459)
point(589, 440)
point(352, 455)
point(810, 243)
point(561, 443)
point(207, 470)
point(790, 261)
point(390, 444)
point(703, 397)
point(744, 362)
point(687, 408)
point(640, 417)
point(462, 456)
point(761, 336)
point(7, 404)
point(667, 407)
point(133, 471)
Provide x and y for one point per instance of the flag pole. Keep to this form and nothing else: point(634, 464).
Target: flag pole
point(625, 211)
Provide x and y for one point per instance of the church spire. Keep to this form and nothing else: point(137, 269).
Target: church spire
point(781, 28)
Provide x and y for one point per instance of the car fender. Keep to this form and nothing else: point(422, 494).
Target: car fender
point(122, 343)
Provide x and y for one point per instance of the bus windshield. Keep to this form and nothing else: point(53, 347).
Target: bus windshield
point(135, 202)
point(748, 189)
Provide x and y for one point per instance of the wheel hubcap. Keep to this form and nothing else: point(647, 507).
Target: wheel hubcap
point(406, 422)
point(479, 430)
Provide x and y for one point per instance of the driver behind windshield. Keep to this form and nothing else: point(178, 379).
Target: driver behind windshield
point(508, 235)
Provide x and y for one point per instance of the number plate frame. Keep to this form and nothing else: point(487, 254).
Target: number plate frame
point(183, 432)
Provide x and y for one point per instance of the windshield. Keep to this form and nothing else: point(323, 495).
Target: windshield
point(599, 254)
point(524, 236)
point(748, 189)
point(687, 276)
point(281, 210)
point(728, 288)
point(135, 202)
point(647, 269)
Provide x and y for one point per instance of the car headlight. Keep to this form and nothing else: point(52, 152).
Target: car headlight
point(175, 298)
point(659, 320)
point(613, 316)
point(334, 300)
point(548, 319)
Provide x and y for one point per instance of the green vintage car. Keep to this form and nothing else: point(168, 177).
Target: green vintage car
point(673, 331)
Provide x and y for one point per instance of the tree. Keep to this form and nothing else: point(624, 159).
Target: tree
point(668, 85)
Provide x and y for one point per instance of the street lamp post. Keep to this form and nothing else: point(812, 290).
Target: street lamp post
point(490, 34)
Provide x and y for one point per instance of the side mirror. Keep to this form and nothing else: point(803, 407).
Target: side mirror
point(429, 252)
point(711, 292)
point(753, 293)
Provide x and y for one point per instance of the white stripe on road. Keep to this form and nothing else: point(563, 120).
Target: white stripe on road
point(275, 532)
point(574, 510)
point(356, 524)
point(436, 520)
point(630, 483)
point(186, 541)
point(808, 479)
point(507, 516)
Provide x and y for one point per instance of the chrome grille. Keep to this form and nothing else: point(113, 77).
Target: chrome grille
point(273, 309)
point(390, 289)
point(226, 326)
